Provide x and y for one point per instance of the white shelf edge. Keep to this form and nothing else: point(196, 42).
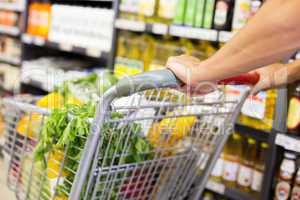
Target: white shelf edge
point(225, 36)
point(194, 33)
point(9, 30)
point(12, 6)
point(288, 142)
point(130, 25)
point(216, 187)
point(8, 59)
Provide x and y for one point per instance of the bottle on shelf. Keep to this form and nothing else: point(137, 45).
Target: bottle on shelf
point(241, 14)
point(216, 174)
point(232, 155)
point(286, 173)
point(296, 188)
point(245, 174)
point(255, 5)
point(293, 119)
point(208, 14)
point(129, 9)
point(190, 13)
point(180, 12)
point(166, 10)
point(259, 168)
point(148, 10)
point(223, 15)
point(199, 14)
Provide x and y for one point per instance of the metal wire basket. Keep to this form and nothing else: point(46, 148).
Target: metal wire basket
point(159, 145)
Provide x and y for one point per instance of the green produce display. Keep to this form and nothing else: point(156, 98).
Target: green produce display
point(67, 127)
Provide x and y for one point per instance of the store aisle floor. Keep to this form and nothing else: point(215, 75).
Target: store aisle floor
point(5, 193)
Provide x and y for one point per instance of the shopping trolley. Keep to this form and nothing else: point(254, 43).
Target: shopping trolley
point(162, 144)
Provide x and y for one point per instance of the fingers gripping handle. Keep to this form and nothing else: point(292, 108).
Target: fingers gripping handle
point(167, 79)
point(145, 81)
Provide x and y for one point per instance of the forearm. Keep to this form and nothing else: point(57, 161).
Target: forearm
point(272, 34)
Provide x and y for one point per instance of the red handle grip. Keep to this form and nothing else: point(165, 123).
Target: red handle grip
point(243, 79)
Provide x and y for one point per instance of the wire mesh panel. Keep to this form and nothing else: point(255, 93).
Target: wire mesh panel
point(153, 144)
point(35, 174)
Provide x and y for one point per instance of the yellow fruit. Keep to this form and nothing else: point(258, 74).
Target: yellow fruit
point(60, 197)
point(170, 131)
point(74, 101)
point(52, 100)
point(30, 126)
point(54, 164)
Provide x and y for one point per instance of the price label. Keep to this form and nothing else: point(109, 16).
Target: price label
point(194, 33)
point(39, 41)
point(66, 47)
point(225, 36)
point(27, 39)
point(93, 52)
point(130, 25)
point(288, 143)
point(160, 29)
point(215, 187)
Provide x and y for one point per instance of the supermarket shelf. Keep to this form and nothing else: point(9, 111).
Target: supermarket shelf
point(139, 26)
point(231, 193)
point(38, 41)
point(194, 33)
point(9, 30)
point(225, 36)
point(174, 30)
point(12, 6)
point(288, 142)
point(258, 135)
point(9, 60)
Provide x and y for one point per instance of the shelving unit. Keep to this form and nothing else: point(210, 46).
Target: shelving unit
point(14, 31)
point(38, 41)
point(174, 30)
point(231, 193)
point(12, 6)
point(10, 60)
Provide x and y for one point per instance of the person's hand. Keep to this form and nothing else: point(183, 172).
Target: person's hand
point(270, 76)
point(186, 68)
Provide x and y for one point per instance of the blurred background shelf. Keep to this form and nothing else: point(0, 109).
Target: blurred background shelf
point(14, 31)
point(233, 194)
point(12, 6)
point(39, 41)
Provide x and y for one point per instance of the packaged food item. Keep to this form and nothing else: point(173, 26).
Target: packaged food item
point(255, 5)
point(147, 9)
point(180, 12)
point(262, 118)
point(190, 13)
point(232, 158)
point(44, 20)
point(296, 188)
point(241, 14)
point(199, 13)
point(259, 168)
point(33, 18)
point(286, 173)
point(293, 119)
point(208, 14)
point(223, 15)
point(245, 174)
point(166, 10)
point(129, 9)
point(216, 174)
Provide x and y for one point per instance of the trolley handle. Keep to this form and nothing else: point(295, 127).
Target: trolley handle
point(166, 79)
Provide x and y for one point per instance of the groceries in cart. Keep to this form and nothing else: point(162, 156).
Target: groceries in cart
point(132, 142)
